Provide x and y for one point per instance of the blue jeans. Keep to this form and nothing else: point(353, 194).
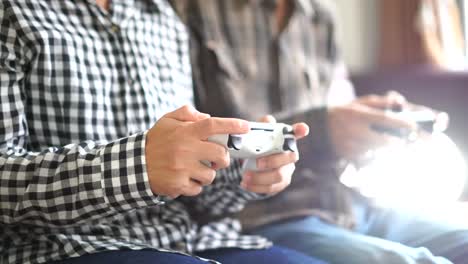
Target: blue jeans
point(384, 236)
point(273, 255)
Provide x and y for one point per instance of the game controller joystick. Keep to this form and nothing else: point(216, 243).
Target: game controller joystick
point(263, 139)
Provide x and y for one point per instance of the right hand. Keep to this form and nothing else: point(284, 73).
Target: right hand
point(176, 146)
point(275, 170)
point(351, 130)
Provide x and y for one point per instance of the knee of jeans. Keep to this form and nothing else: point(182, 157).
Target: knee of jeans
point(388, 256)
point(419, 255)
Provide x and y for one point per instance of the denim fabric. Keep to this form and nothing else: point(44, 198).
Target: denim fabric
point(382, 235)
point(273, 255)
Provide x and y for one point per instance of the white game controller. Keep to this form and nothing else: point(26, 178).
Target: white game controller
point(263, 139)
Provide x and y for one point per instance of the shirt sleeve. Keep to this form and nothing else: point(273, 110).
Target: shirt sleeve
point(318, 147)
point(63, 185)
point(317, 150)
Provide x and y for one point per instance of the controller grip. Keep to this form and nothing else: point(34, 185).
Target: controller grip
point(250, 164)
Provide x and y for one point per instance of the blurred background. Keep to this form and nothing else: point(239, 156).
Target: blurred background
point(416, 47)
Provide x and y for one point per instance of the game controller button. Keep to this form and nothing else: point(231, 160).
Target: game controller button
point(427, 126)
point(397, 108)
point(287, 130)
point(234, 142)
point(290, 144)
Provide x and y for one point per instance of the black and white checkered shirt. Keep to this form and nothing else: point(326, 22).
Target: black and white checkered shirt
point(79, 87)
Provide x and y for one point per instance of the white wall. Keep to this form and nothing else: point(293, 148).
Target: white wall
point(358, 23)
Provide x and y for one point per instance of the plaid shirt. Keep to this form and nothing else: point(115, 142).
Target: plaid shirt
point(244, 68)
point(79, 88)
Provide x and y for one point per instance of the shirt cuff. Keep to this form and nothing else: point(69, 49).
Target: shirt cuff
point(125, 179)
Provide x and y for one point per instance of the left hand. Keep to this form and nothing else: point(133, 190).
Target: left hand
point(350, 125)
point(275, 170)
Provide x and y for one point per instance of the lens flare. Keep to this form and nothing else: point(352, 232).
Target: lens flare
point(427, 173)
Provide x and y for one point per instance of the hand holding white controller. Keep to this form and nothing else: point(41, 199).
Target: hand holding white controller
point(264, 139)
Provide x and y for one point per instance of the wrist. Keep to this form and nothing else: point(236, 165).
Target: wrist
point(125, 179)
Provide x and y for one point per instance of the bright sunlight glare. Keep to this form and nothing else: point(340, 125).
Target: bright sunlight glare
point(425, 174)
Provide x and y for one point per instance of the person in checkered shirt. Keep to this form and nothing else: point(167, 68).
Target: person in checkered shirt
point(100, 149)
